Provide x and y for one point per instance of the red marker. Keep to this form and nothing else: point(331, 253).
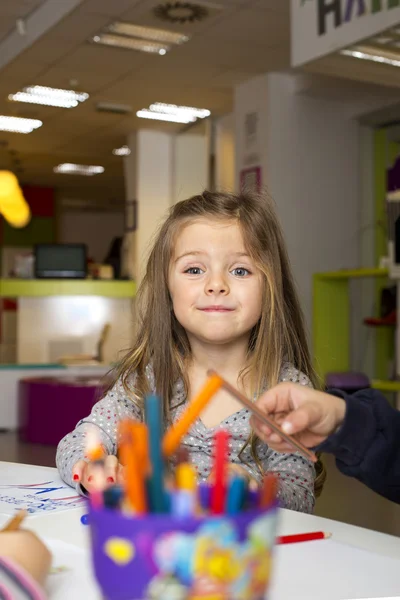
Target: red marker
point(219, 489)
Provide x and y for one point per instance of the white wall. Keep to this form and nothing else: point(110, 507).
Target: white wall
point(74, 324)
point(308, 150)
point(96, 229)
point(225, 153)
point(190, 165)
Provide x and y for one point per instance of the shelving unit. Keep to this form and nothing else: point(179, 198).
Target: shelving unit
point(332, 323)
point(15, 288)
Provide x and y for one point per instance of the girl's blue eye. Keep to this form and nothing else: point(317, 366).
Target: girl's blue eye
point(194, 271)
point(241, 272)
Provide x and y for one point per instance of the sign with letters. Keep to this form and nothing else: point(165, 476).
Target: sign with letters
point(320, 27)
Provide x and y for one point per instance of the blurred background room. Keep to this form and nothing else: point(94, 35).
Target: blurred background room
point(113, 110)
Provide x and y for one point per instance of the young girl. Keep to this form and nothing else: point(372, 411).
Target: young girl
point(218, 293)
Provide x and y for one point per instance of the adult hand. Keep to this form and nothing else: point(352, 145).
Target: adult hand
point(308, 414)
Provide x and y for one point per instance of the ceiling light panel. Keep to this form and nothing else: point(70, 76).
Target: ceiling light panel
point(46, 96)
point(74, 169)
point(174, 109)
point(19, 125)
point(123, 151)
point(118, 41)
point(148, 33)
point(150, 114)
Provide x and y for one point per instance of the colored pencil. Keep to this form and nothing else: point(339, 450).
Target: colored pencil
point(130, 457)
point(268, 490)
point(218, 491)
point(15, 522)
point(235, 496)
point(173, 436)
point(264, 418)
point(155, 482)
point(303, 537)
point(184, 500)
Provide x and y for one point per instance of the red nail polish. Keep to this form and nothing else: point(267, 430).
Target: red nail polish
point(76, 477)
point(110, 479)
point(90, 478)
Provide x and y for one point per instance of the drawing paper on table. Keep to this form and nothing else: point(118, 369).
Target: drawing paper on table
point(331, 570)
point(71, 575)
point(35, 489)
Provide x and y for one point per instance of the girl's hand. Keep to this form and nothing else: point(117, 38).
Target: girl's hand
point(239, 471)
point(25, 549)
point(309, 414)
point(85, 473)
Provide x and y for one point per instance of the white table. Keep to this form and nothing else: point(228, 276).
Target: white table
point(336, 569)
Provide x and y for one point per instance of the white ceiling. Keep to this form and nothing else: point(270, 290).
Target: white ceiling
point(239, 39)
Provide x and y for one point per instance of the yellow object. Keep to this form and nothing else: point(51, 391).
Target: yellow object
point(13, 205)
point(186, 478)
point(121, 551)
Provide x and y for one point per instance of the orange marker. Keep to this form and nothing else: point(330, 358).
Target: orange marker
point(173, 436)
point(133, 436)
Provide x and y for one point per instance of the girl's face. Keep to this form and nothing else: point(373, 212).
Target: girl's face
point(215, 287)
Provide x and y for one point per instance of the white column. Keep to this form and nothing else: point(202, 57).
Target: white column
point(161, 170)
point(190, 164)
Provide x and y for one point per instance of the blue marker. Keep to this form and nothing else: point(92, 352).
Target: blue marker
point(155, 483)
point(236, 492)
point(85, 519)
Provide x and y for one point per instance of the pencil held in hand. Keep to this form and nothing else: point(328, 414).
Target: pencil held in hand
point(264, 418)
point(15, 522)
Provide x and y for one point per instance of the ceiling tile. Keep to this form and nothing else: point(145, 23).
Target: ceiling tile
point(110, 8)
point(76, 27)
point(89, 80)
point(268, 28)
point(93, 56)
point(142, 14)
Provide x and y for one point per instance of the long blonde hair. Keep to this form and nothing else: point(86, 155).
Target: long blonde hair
point(162, 342)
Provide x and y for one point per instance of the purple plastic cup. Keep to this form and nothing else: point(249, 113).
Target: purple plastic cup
point(161, 557)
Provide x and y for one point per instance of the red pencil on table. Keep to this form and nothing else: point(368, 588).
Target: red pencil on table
point(218, 491)
point(303, 537)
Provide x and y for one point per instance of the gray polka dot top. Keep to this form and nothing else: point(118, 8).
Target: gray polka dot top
point(296, 474)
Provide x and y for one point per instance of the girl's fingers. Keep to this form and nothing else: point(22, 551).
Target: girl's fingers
point(77, 471)
point(87, 479)
point(111, 469)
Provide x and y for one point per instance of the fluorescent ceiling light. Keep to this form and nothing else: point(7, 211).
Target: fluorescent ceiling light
point(150, 114)
point(148, 33)
point(173, 109)
point(383, 40)
point(19, 125)
point(72, 169)
point(118, 41)
point(38, 94)
point(123, 151)
point(366, 54)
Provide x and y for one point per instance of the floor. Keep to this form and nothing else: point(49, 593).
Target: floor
point(342, 499)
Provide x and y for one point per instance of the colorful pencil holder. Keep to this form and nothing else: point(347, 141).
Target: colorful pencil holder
point(161, 557)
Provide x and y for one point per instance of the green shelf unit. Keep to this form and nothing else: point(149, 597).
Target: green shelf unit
point(15, 288)
point(332, 318)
